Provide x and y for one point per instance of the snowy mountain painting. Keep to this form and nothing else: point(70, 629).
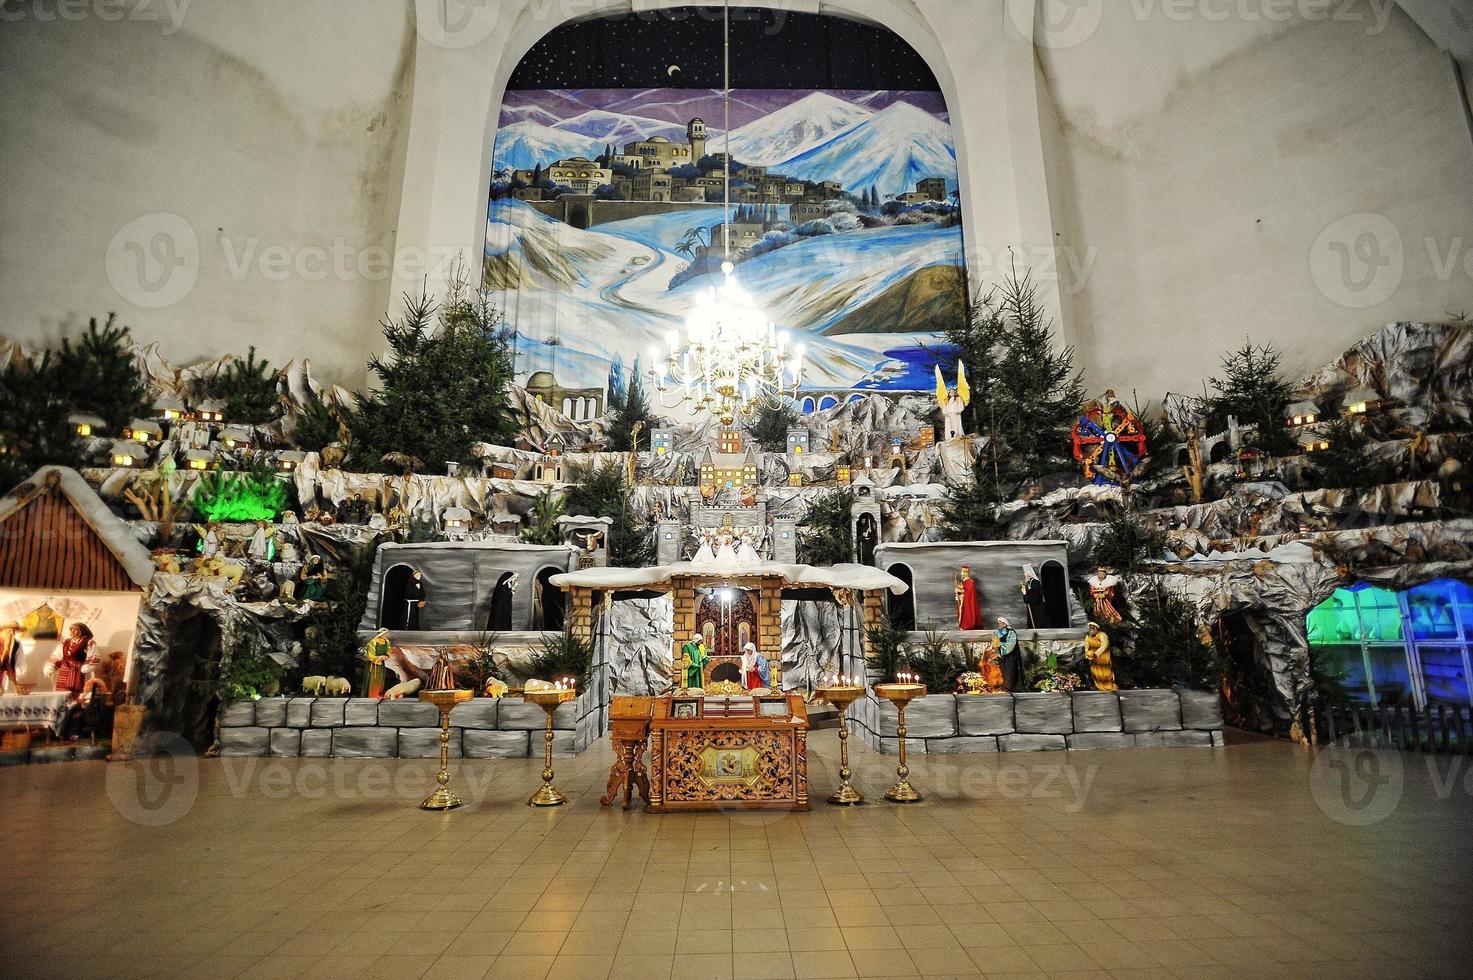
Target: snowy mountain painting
point(606, 210)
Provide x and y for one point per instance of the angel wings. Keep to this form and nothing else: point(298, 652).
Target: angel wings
point(963, 392)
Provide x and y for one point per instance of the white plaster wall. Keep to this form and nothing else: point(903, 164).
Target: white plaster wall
point(293, 138)
point(265, 136)
point(1206, 174)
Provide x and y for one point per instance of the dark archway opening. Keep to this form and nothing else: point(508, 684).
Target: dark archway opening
point(578, 217)
point(393, 605)
point(549, 605)
point(867, 535)
point(1055, 595)
point(902, 608)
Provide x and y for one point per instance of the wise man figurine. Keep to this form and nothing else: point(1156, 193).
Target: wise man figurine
point(693, 660)
point(968, 601)
point(953, 402)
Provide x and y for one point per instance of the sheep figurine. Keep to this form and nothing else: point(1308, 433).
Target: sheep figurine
point(399, 691)
point(313, 685)
point(336, 687)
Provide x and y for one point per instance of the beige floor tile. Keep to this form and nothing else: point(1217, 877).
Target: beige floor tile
point(583, 966)
point(520, 967)
point(456, 967)
point(701, 966)
point(823, 963)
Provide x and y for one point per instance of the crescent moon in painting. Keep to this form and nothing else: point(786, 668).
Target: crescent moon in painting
point(672, 70)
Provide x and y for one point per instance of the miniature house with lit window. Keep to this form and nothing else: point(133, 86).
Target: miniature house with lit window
point(1303, 413)
point(662, 441)
point(729, 470)
point(144, 430)
point(797, 442)
point(1362, 401)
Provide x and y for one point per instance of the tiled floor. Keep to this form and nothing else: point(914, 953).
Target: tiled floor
point(1168, 862)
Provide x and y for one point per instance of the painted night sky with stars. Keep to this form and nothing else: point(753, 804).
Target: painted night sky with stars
point(770, 49)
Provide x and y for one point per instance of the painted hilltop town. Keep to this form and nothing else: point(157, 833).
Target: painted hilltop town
point(600, 213)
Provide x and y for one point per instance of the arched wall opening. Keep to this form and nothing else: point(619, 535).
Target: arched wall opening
point(1002, 190)
point(604, 186)
point(902, 608)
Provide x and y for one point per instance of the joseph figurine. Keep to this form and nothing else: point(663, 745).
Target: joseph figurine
point(695, 658)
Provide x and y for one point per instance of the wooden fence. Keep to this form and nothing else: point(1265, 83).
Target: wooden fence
point(1436, 728)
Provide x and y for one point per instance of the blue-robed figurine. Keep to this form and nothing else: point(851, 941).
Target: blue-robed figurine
point(1009, 659)
point(755, 672)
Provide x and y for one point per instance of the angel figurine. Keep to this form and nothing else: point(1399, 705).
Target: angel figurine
point(953, 402)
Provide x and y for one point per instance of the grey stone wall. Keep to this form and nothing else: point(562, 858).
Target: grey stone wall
point(365, 728)
point(1037, 722)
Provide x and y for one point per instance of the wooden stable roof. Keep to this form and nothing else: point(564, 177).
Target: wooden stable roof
point(56, 533)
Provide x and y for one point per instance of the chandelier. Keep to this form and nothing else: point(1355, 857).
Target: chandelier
point(732, 360)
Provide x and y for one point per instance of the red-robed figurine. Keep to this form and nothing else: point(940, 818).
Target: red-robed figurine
point(968, 601)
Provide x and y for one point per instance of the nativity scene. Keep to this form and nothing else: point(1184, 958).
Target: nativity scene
point(607, 448)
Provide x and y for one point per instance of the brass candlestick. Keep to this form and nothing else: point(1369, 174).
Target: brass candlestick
point(901, 694)
point(548, 700)
point(442, 798)
point(841, 696)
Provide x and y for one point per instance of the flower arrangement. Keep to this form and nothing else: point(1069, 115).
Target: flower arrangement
point(1059, 682)
point(1056, 680)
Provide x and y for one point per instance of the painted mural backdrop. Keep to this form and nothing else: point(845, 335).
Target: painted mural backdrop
point(605, 218)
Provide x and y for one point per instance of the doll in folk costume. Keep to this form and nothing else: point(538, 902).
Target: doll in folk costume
point(968, 601)
point(376, 651)
point(1102, 589)
point(953, 402)
point(69, 664)
point(1097, 652)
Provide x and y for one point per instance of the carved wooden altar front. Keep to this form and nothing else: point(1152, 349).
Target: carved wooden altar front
point(709, 763)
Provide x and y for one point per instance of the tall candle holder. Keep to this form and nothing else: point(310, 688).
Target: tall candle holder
point(901, 693)
point(548, 699)
point(841, 695)
point(445, 700)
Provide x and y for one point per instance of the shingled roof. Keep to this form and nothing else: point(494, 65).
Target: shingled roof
point(56, 533)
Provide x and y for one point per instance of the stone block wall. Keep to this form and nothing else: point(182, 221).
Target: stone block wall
point(1037, 722)
point(365, 728)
